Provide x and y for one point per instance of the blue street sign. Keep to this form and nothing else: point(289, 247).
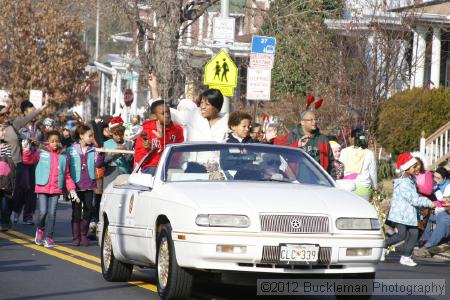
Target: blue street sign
point(263, 44)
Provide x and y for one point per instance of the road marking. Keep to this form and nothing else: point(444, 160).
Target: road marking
point(48, 251)
point(58, 247)
point(28, 242)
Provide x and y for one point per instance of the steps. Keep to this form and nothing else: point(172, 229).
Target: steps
point(436, 148)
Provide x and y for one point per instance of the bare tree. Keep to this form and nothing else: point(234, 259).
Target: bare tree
point(160, 26)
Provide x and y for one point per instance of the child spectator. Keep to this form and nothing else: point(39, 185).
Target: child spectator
point(239, 124)
point(403, 213)
point(155, 135)
point(338, 165)
point(116, 163)
point(440, 217)
point(52, 175)
point(83, 161)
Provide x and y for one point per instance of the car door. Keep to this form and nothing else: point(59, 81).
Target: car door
point(137, 230)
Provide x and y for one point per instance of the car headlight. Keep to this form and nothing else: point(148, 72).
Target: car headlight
point(222, 221)
point(357, 224)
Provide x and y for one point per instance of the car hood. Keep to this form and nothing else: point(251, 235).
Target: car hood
point(268, 197)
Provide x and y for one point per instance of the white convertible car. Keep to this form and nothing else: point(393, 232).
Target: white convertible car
point(235, 211)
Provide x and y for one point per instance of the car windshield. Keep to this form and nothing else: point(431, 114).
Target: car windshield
point(242, 162)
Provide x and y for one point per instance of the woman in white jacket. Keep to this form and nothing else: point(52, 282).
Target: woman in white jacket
point(360, 165)
point(204, 124)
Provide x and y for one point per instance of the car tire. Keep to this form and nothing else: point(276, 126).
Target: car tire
point(112, 269)
point(356, 277)
point(173, 282)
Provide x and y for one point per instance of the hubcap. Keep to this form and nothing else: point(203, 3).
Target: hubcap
point(163, 262)
point(107, 251)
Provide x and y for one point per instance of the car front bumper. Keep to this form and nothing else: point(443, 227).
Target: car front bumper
point(198, 250)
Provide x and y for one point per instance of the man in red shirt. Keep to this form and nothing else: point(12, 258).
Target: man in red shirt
point(152, 138)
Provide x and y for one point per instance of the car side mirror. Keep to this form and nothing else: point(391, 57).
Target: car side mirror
point(141, 179)
point(346, 184)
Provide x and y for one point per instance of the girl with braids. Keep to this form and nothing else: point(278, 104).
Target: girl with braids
point(83, 160)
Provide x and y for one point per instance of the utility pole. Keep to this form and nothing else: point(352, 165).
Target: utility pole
point(225, 13)
point(97, 32)
point(224, 8)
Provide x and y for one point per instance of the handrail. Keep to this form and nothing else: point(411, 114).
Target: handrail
point(434, 165)
point(437, 133)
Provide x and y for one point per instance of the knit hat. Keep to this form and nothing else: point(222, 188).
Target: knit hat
point(405, 161)
point(116, 121)
point(48, 122)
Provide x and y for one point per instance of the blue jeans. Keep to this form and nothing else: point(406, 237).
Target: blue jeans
point(47, 213)
point(406, 233)
point(441, 232)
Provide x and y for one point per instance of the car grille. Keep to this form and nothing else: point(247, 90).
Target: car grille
point(271, 254)
point(294, 224)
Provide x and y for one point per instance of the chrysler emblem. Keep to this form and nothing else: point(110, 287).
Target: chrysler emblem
point(295, 224)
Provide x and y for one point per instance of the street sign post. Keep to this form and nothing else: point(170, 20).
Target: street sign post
point(263, 44)
point(259, 73)
point(258, 83)
point(223, 31)
point(260, 60)
point(221, 73)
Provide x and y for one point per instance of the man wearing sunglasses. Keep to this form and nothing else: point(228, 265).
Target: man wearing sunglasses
point(307, 136)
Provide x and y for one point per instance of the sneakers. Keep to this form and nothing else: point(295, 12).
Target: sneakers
point(407, 261)
point(28, 222)
point(383, 254)
point(38, 239)
point(49, 243)
point(15, 218)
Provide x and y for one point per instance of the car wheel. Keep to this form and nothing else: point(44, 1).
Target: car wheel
point(370, 277)
point(173, 282)
point(112, 269)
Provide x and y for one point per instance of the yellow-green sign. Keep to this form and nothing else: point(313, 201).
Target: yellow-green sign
point(221, 71)
point(225, 90)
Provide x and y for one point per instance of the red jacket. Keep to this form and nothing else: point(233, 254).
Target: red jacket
point(174, 134)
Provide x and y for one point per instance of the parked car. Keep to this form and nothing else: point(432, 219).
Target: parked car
point(235, 211)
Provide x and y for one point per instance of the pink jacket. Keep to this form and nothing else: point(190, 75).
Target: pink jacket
point(31, 158)
point(424, 182)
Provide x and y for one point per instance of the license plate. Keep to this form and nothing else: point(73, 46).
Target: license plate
point(299, 253)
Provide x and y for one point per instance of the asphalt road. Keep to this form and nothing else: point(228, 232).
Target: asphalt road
point(28, 271)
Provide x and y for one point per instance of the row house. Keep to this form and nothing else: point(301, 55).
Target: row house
point(424, 37)
point(123, 72)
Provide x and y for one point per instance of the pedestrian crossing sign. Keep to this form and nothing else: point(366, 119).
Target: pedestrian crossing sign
point(221, 71)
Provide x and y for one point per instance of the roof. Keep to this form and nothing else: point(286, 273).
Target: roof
point(420, 5)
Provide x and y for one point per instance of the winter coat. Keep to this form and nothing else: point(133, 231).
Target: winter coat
point(367, 174)
point(198, 128)
point(232, 139)
point(174, 134)
point(424, 182)
point(50, 181)
point(405, 201)
point(318, 147)
point(7, 169)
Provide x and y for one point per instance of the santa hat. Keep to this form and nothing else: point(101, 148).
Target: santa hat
point(116, 121)
point(405, 161)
